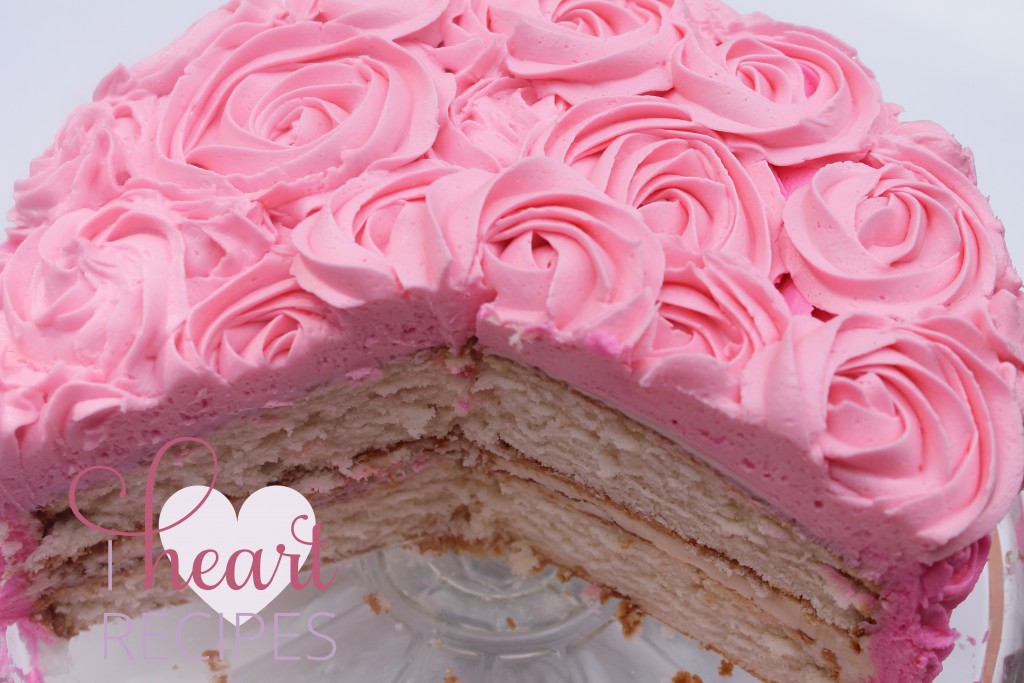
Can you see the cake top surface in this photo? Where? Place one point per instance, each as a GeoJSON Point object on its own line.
{"type": "Point", "coordinates": [719, 211]}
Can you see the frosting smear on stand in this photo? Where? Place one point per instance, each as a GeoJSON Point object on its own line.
{"type": "Point", "coordinates": [712, 221]}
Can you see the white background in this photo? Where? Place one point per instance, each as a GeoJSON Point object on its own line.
{"type": "Point", "coordinates": [958, 63]}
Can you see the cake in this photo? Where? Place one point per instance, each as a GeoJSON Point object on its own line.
{"type": "Point", "coordinates": [668, 295]}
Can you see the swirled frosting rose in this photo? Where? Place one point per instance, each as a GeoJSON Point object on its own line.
{"type": "Point", "coordinates": [285, 111]}
{"type": "Point", "coordinates": [88, 165]}
{"type": "Point", "coordinates": [789, 93]}
{"type": "Point", "coordinates": [488, 123]}
{"type": "Point", "coordinates": [896, 233]}
{"type": "Point", "coordinates": [685, 180]}
{"type": "Point", "coordinates": [713, 314]}
{"type": "Point", "coordinates": [915, 421]}
{"type": "Point", "coordinates": [557, 253]}
{"type": "Point", "coordinates": [107, 288]}
{"type": "Point", "coordinates": [376, 239]}
{"type": "Point", "coordinates": [580, 49]}
{"type": "Point", "coordinates": [223, 237]}
{"type": "Point", "coordinates": [97, 288]}
{"type": "Point", "coordinates": [259, 320]}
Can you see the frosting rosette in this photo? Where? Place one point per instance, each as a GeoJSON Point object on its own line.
{"type": "Point", "coordinates": [916, 422]}
{"type": "Point", "coordinates": [259, 320]}
{"type": "Point", "coordinates": [558, 254]}
{"type": "Point", "coordinates": [901, 231]}
{"type": "Point", "coordinates": [683, 178]}
{"type": "Point", "coordinates": [294, 109]}
{"type": "Point", "coordinates": [789, 93]}
{"type": "Point", "coordinates": [713, 315]}
{"type": "Point", "coordinates": [223, 235]}
{"type": "Point", "coordinates": [97, 288]}
{"type": "Point", "coordinates": [88, 165]}
{"type": "Point", "coordinates": [106, 288]}
{"type": "Point", "coordinates": [581, 49]}
{"type": "Point", "coordinates": [489, 122]}
{"type": "Point", "coordinates": [376, 239]}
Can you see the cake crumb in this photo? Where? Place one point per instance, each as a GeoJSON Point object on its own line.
{"type": "Point", "coordinates": [522, 560]}
{"type": "Point", "coordinates": [511, 623]}
{"type": "Point", "coordinates": [451, 677]}
{"type": "Point", "coordinates": [686, 677]}
{"type": "Point", "coordinates": [725, 668]}
{"type": "Point", "coordinates": [377, 604]}
{"type": "Point", "coordinates": [631, 618]}
{"type": "Point", "coordinates": [217, 666]}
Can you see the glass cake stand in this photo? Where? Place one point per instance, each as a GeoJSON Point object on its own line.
{"type": "Point", "coordinates": [399, 617]}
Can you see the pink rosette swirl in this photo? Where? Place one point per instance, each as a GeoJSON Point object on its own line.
{"type": "Point", "coordinates": [899, 232]}
{"type": "Point", "coordinates": [713, 316]}
{"type": "Point", "coordinates": [223, 235]}
{"type": "Point", "coordinates": [375, 239]}
{"type": "Point", "coordinates": [558, 255]}
{"type": "Point", "coordinates": [293, 109]}
{"type": "Point", "coordinates": [685, 180]}
{"type": "Point", "coordinates": [789, 93]}
{"type": "Point", "coordinates": [260, 320]}
{"type": "Point", "coordinates": [107, 288]}
{"type": "Point", "coordinates": [579, 49]}
{"type": "Point", "coordinates": [97, 288]}
{"type": "Point", "coordinates": [488, 123]}
{"type": "Point", "coordinates": [94, 156]}
{"type": "Point", "coordinates": [917, 424]}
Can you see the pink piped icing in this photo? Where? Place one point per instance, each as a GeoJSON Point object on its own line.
{"type": "Point", "coordinates": [712, 221]}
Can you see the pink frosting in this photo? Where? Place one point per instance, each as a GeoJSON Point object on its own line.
{"type": "Point", "coordinates": [261, 319]}
{"type": "Point", "coordinates": [713, 316]}
{"type": "Point", "coordinates": [280, 112]}
{"type": "Point", "coordinates": [375, 239]}
{"type": "Point", "coordinates": [896, 233]}
{"type": "Point", "coordinates": [915, 422]}
{"type": "Point", "coordinates": [559, 254]}
{"type": "Point", "coordinates": [98, 288]}
{"type": "Point", "coordinates": [685, 180]}
{"type": "Point", "coordinates": [488, 121]}
{"type": "Point", "coordinates": [88, 165]}
{"type": "Point", "coordinates": [583, 49]}
{"type": "Point", "coordinates": [788, 92]}
{"type": "Point", "coordinates": [711, 221]}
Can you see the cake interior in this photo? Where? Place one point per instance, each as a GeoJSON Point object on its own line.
{"type": "Point", "coordinates": [478, 453]}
